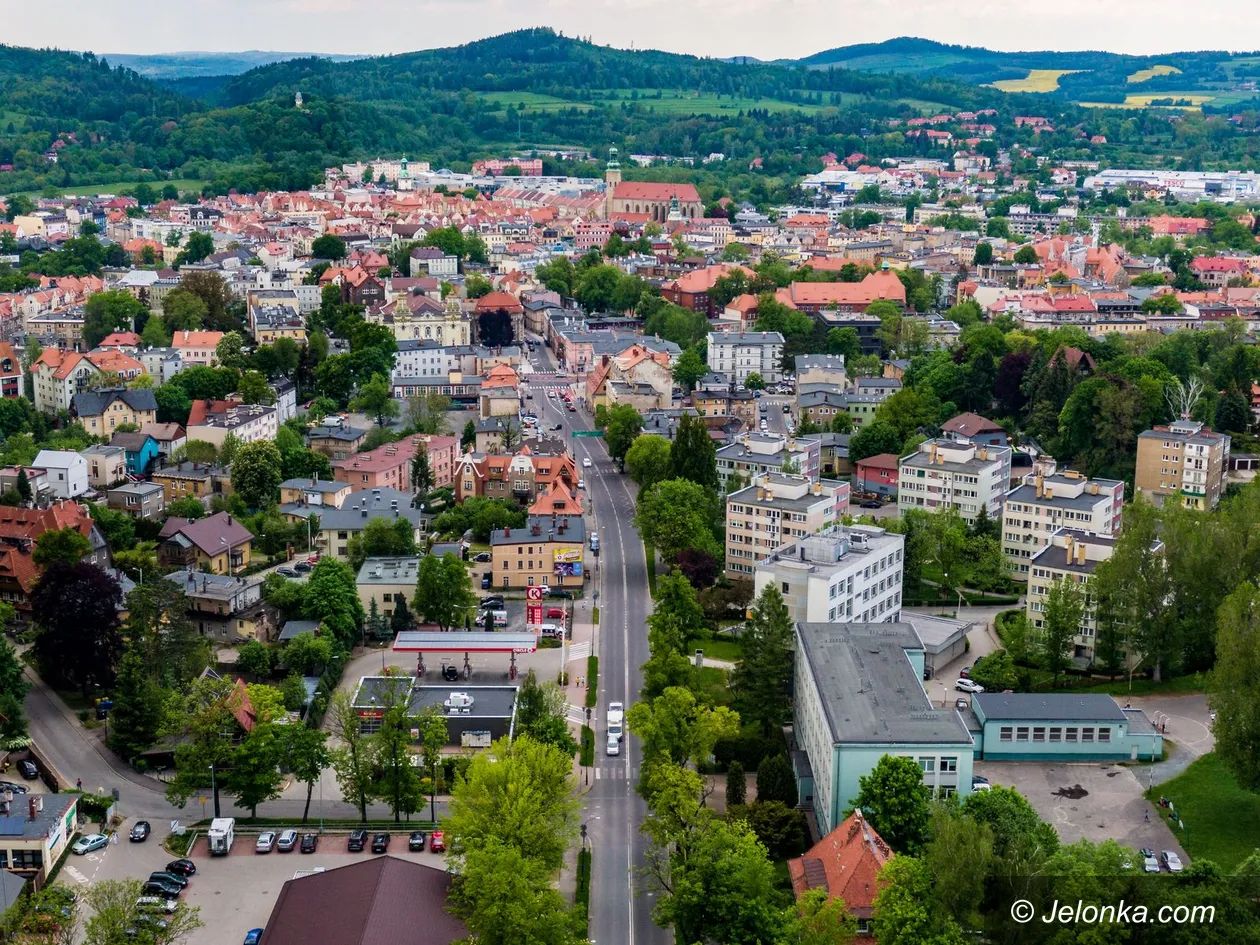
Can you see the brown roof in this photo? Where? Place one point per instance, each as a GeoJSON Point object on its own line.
{"type": "Point", "coordinates": [846, 863]}
{"type": "Point", "coordinates": [383, 899]}
{"type": "Point", "coordinates": [971, 424]}
{"type": "Point", "coordinates": [880, 461]}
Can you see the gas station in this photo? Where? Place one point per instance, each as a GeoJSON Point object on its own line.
{"type": "Point", "coordinates": [463, 642]}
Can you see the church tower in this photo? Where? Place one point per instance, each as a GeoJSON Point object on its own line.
{"type": "Point", "coordinates": [612, 177]}
{"type": "Point", "coordinates": [297, 99]}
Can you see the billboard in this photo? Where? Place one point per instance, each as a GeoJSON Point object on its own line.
{"type": "Point", "coordinates": [568, 555]}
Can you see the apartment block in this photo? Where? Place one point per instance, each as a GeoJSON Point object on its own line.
{"type": "Point", "coordinates": [954, 474]}
{"type": "Point", "coordinates": [757, 454]}
{"type": "Point", "coordinates": [1072, 554]}
{"type": "Point", "coordinates": [1184, 457]}
{"type": "Point", "coordinates": [741, 353]}
{"type": "Point", "coordinates": [846, 575]}
{"type": "Point", "coordinates": [776, 510]}
{"type": "Point", "coordinates": [1034, 511]}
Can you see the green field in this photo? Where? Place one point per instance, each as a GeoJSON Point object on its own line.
{"type": "Point", "coordinates": [1151, 72]}
{"type": "Point", "coordinates": [532, 101]}
{"type": "Point", "coordinates": [665, 101]}
{"type": "Point", "coordinates": [117, 187]}
{"type": "Point", "coordinates": [1037, 80]}
{"type": "Point", "coordinates": [1222, 821]}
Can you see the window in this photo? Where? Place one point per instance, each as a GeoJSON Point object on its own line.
{"type": "Point", "coordinates": [785, 587]}
{"type": "Point", "coordinates": [1056, 733]}
{"type": "Point", "coordinates": [1070, 733]}
{"type": "Point", "coordinates": [1021, 733]}
{"type": "Point", "coordinates": [927, 764]}
{"type": "Point", "coordinates": [28, 859]}
{"type": "Point", "coordinates": [1039, 733]}
{"type": "Point", "coordinates": [1104, 734]}
{"type": "Point", "coordinates": [1087, 734]}
{"type": "Point", "coordinates": [949, 764]}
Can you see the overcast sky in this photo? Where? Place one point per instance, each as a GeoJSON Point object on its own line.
{"type": "Point", "coordinates": [764, 28]}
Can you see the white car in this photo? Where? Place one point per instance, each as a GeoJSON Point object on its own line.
{"type": "Point", "coordinates": [966, 685]}
{"type": "Point", "coordinates": [581, 483]}
{"type": "Point", "coordinates": [614, 745]}
{"type": "Point", "coordinates": [1172, 862]}
{"type": "Point", "coordinates": [1150, 863]}
{"type": "Point", "coordinates": [586, 462]}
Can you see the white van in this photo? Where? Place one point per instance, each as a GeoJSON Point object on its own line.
{"type": "Point", "coordinates": [614, 745]}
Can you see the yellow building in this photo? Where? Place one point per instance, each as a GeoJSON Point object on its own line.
{"type": "Point", "coordinates": [546, 552]}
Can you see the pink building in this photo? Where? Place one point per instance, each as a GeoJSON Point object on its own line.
{"type": "Point", "coordinates": [389, 466]}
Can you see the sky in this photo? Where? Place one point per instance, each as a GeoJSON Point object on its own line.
{"type": "Point", "coordinates": [767, 29]}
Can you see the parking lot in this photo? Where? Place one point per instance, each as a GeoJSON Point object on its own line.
{"type": "Point", "coordinates": [1088, 801]}
{"type": "Point", "coordinates": [235, 893]}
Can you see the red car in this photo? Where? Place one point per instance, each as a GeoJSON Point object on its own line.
{"type": "Point", "coordinates": [437, 842]}
{"type": "Point", "coordinates": [555, 613]}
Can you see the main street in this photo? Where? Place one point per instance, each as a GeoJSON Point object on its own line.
{"type": "Point", "coordinates": [620, 906]}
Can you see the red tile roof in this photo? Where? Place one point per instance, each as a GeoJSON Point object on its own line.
{"type": "Point", "coordinates": [846, 863]}
{"type": "Point", "coordinates": [647, 190]}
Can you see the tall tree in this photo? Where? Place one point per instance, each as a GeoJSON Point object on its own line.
{"type": "Point", "coordinates": [647, 460]}
{"type": "Point", "coordinates": [397, 781]}
{"type": "Point", "coordinates": [433, 737]}
{"type": "Point", "coordinates": [76, 611]}
{"type": "Point", "coordinates": [624, 424]}
{"type": "Point", "coordinates": [1235, 683]}
{"type": "Point", "coordinates": [109, 311]}
{"type": "Point", "coordinates": [677, 515]}
{"type": "Point", "coordinates": [421, 471]}
{"type": "Point", "coordinates": [60, 546]}
{"type": "Point", "coordinates": [1065, 608]}
{"type": "Point", "coordinates": [676, 728]}
{"type": "Point", "coordinates": [693, 455]}
{"type": "Point", "coordinates": [256, 473]}
{"type": "Point", "coordinates": [444, 594]}
{"type": "Point", "coordinates": [895, 801]}
{"type": "Point", "coordinates": [763, 678]}
{"type": "Point", "coordinates": [254, 773]}
{"type": "Point", "coordinates": [353, 759]}
{"type": "Point", "coordinates": [906, 913]}
{"type": "Point", "coordinates": [507, 898]}
{"type": "Point", "coordinates": [541, 714]}
{"type": "Point", "coordinates": [332, 598]}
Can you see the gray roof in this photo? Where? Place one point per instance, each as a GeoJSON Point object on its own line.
{"type": "Point", "coordinates": [92, 403]}
{"type": "Point", "coordinates": [1048, 706]}
{"type": "Point", "coordinates": [548, 530]}
{"type": "Point", "coordinates": [494, 702]}
{"type": "Point", "coordinates": [936, 633]}
{"type": "Point", "coordinates": [337, 432]}
{"type": "Point", "coordinates": [746, 338]}
{"type": "Point", "coordinates": [361, 507]}
{"type": "Point", "coordinates": [1083, 502]}
{"type": "Point", "coordinates": [20, 823]}
{"type": "Point", "coordinates": [389, 570]}
{"type": "Point", "coordinates": [870, 691]}
{"type": "Point", "coordinates": [296, 628]}
{"type": "Point", "coordinates": [314, 485]}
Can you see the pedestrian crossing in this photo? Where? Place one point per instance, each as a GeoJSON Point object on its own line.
{"type": "Point", "coordinates": [617, 773]}
{"type": "Point", "coordinates": [579, 651]}
{"type": "Point", "coordinates": [575, 713]}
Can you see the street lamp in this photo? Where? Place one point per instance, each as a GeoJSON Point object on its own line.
{"type": "Point", "coordinates": [214, 789]}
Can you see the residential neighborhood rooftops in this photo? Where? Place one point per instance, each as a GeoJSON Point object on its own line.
{"type": "Point", "coordinates": [27, 823]}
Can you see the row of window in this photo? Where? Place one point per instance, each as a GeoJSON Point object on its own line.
{"type": "Point", "coordinates": [1071, 734]}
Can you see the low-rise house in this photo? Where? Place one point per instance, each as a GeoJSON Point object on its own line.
{"type": "Point", "coordinates": [224, 608]}
{"type": "Point", "coordinates": [386, 582]}
{"type": "Point", "coordinates": [67, 472]}
{"type": "Point", "coordinates": [168, 436]}
{"type": "Point", "coordinates": [317, 494]}
{"type": "Point", "coordinates": [107, 465]}
{"type": "Point", "coordinates": [338, 525]}
{"type": "Point", "coordinates": [36, 833]}
{"type": "Point", "coordinates": [1064, 727]}
{"type": "Point", "coordinates": [199, 480]}
{"type": "Point", "coordinates": [138, 499]}
{"type": "Point", "coordinates": [197, 347]}
{"type": "Point", "coordinates": [776, 510]}
{"type": "Point", "coordinates": [102, 411]}
{"type": "Point", "coordinates": [976, 430]}
{"type": "Point", "coordinates": [877, 474]}
{"type": "Point", "coordinates": [845, 864]}
{"type": "Point", "coordinates": [335, 438]}
{"type": "Point", "coordinates": [57, 376]}
{"type": "Point", "coordinates": [140, 449]}
{"type": "Point", "coordinates": [218, 544]}
{"type": "Point", "coordinates": [213, 420]}
{"type": "Point", "coordinates": [542, 553]}
{"type": "Point", "coordinates": [522, 477]}
{"type": "Point", "coordinates": [389, 465]}
{"type": "Point", "coordinates": [847, 575]}
{"type": "Point", "coordinates": [20, 529]}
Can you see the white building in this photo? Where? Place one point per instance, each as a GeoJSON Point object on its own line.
{"type": "Point", "coordinates": [949, 474]}
{"type": "Point", "coordinates": [1034, 511]}
{"type": "Point", "coordinates": [426, 359]}
{"type": "Point", "coordinates": [778, 508]}
{"type": "Point", "coordinates": [248, 422]}
{"type": "Point", "coordinates": [67, 472]}
{"type": "Point", "coordinates": [846, 575]}
{"type": "Point", "coordinates": [741, 353]}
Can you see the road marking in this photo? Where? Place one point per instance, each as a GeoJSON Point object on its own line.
{"type": "Point", "coordinates": [74, 874]}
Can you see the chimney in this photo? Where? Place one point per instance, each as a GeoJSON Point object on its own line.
{"type": "Point", "coordinates": [1070, 549]}
{"type": "Point", "coordinates": [1041, 485]}
{"type": "Point", "coordinates": [818, 488]}
{"type": "Point", "coordinates": [507, 532]}
{"type": "Point", "coordinates": [1081, 548]}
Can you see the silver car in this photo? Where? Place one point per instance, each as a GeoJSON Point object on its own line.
{"type": "Point", "coordinates": [266, 842]}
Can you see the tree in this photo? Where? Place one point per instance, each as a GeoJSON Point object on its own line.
{"type": "Point", "coordinates": [520, 794]}
{"type": "Point", "coordinates": [307, 654]}
{"type": "Point", "coordinates": [754, 381]}
{"type": "Point", "coordinates": [689, 368]}
{"type": "Point", "coordinates": [109, 311]}
{"type": "Point", "coordinates": [254, 389]}
{"type": "Point", "coordinates": [256, 473]}
{"type": "Point", "coordinates": [1233, 413]}
{"type": "Point", "coordinates": [204, 726]}
{"type": "Point", "coordinates": [397, 781]}
{"type": "Point", "coordinates": [76, 611]}
{"type": "Point", "coordinates": [115, 915]}
{"type": "Point", "coordinates": [677, 515]}
{"type": "Point", "coordinates": [332, 598]}
{"type": "Point", "coordinates": [376, 399]}
{"type": "Point", "coordinates": [431, 725]}
{"type": "Point", "coordinates": [541, 714]}
{"type": "Point", "coordinates": [875, 437]}
{"type": "Point", "coordinates": [381, 538]}
{"type": "Point", "coordinates": [996, 671]}
{"type": "Point", "coordinates": [254, 775]}
{"type": "Point", "coordinates": [60, 546]}
{"type": "Point", "coordinates": [775, 781]}
{"type": "Point", "coordinates": [676, 729]}
{"type": "Point", "coordinates": [624, 424]}
{"type": "Point", "coordinates": [428, 414]}
{"type": "Point", "coordinates": [1164, 304]}
{"type": "Point", "coordinates": [984, 254]}
{"type": "Point", "coordinates": [956, 838]}
{"type": "Point", "coordinates": [421, 471]}
{"type": "Point", "coordinates": [305, 754]}
{"type": "Point", "coordinates": [182, 311]}
{"type": "Point", "coordinates": [444, 594]}
{"type": "Point", "coordinates": [818, 919]}
{"type": "Point", "coordinates": [1022, 841]}
{"type": "Point", "coordinates": [763, 678]}
{"type": "Point", "coordinates": [353, 758]}
{"type": "Point", "coordinates": [13, 684]}
{"type": "Point", "coordinates": [895, 801]}
{"type": "Point", "coordinates": [255, 658]}
{"type": "Point", "coordinates": [328, 247]}
{"type": "Point", "coordinates": [736, 786]}
{"type": "Point", "coordinates": [23, 485]}
{"type": "Point", "coordinates": [1025, 256]}
{"type": "Point", "coordinates": [468, 438]}
{"type": "Point", "coordinates": [647, 460]}
{"type": "Point", "coordinates": [905, 911]}
{"type": "Point", "coordinates": [173, 404]}
{"type": "Point", "coordinates": [693, 455]}
{"type": "Point", "coordinates": [1234, 683]}
{"type": "Point", "coordinates": [507, 898]}
{"type": "Point", "coordinates": [196, 248]}
{"type": "Point", "coordinates": [1065, 608]}
{"type": "Point", "coordinates": [211, 288]}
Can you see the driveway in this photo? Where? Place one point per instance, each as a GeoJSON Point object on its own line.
{"type": "Point", "coordinates": [1187, 723]}
{"type": "Point", "coordinates": [1087, 801]}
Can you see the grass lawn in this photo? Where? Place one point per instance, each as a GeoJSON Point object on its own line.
{"type": "Point", "coordinates": [1222, 819]}
{"type": "Point", "coordinates": [1151, 72]}
{"type": "Point", "coordinates": [1037, 80]}
{"type": "Point", "coordinates": [117, 187]}
{"type": "Point", "coordinates": [719, 648]}
{"type": "Point", "coordinates": [712, 687]}
{"type": "Point", "coordinates": [533, 101]}
{"type": "Point", "coordinates": [1144, 687]}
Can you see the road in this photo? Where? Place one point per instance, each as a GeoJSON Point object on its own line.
{"type": "Point", "coordinates": [620, 910]}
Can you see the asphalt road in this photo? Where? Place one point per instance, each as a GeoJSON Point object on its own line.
{"type": "Point", "coordinates": [621, 909]}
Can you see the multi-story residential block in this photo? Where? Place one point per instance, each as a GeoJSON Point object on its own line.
{"type": "Point", "coordinates": [11, 373]}
{"type": "Point", "coordinates": [859, 696]}
{"type": "Point", "coordinates": [741, 353]}
{"type": "Point", "coordinates": [953, 474]}
{"type": "Point", "coordinates": [776, 510]}
{"type": "Point", "coordinates": [522, 477]}
{"type": "Point", "coordinates": [213, 420]}
{"type": "Point", "coordinates": [59, 375]}
{"type": "Point", "coordinates": [1034, 511]}
{"type": "Point", "coordinates": [337, 525]}
{"type": "Point", "coordinates": [544, 552]}
{"type": "Point", "coordinates": [755, 454]}
{"type": "Point", "coordinates": [1072, 555]}
{"type": "Point", "coordinates": [197, 347]}
{"type": "Point", "coordinates": [848, 575]}
{"type": "Point", "coordinates": [225, 608]}
{"type": "Point", "coordinates": [389, 466]}
{"type": "Point", "coordinates": [1185, 457]}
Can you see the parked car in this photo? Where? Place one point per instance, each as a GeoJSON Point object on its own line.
{"type": "Point", "coordinates": [182, 867]}
{"type": "Point", "coordinates": [28, 769]}
{"type": "Point", "coordinates": [415, 843]}
{"type": "Point", "coordinates": [357, 841]}
{"type": "Point", "coordinates": [266, 842]}
{"type": "Point", "coordinates": [551, 630]}
{"type": "Point", "coordinates": [559, 593]}
{"type": "Point", "coordinates": [286, 572]}
{"type": "Point", "coordinates": [482, 557]}
{"type": "Point", "coordinates": [485, 582]}
{"type": "Point", "coordinates": [164, 890]}
{"type": "Point", "coordinates": [555, 613]}
{"type": "Point", "coordinates": [172, 879]}
{"type": "Point", "coordinates": [13, 786]}
{"type": "Point", "coordinates": [1150, 863]}
{"type": "Point", "coordinates": [1171, 861]}
{"type": "Point", "coordinates": [140, 831]}
{"type": "Point", "coordinates": [310, 841]}
{"type": "Point", "coordinates": [155, 904]}
{"type": "Point", "coordinates": [581, 483]}
{"type": "Point", "coordinates": [437, 842]}
{"type": "Point", "coordinates": [980, 783]}
{"type": "Point", "coordinates": [303, 567]}
{"type": "Point", "coordinates": [966, 685]}
{"type": "Point", "coordinates": [492, 602]}
{"type": "Point", "coordinates": [965, 672]}
{"type": "Point", "coordinates": [253, 936]}
{"type": "Point", "coordinates": [93, 841]}
{"type": "Point", "coordinates": [871, 504]}
{"type": "Point", "coordinates": [287, 840]}
{"type": "Point", "coordinates": [380, 843]}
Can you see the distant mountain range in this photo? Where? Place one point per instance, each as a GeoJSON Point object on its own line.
{"type": "Point", "coordinates": [184, 65]}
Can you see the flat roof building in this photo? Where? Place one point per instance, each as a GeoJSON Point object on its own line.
{"type": "Point", "coordinates": [954, 474]}
{"type": "Point", "coordinates": [1048, 726]}
{"type": "Point", "coordinates": [1035, 510]}
{"type": "Point", "coordinates": [776, 509]}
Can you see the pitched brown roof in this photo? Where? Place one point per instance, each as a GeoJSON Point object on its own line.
{"type": "Point", "coordinates": [846, 863]}
{"type": "Point", "coordinates": [369, 902]}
